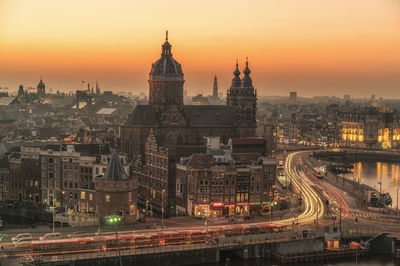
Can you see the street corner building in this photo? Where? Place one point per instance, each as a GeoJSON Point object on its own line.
{"type": "Point", "coordinates": [116, 192]}
{"type": "Point", "coordinates": [177, 124]}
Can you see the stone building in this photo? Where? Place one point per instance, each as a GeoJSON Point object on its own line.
{"type": "Point", "coordinates": [116, 192]}
{"type": "Point", "coordinates": [370, 127]}
{"type": "Point", "coordinates": [174, 123]}
{"type": "Point", "coordinates": [156, 174]}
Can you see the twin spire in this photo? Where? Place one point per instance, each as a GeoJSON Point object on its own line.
{"type": "Point", "coordinates": [246, 82]}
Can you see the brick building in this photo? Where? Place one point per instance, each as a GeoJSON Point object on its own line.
{"type": "Point", "coordinates": [116, 192]}
{"type": "Point", "coordinates": [208, 188]}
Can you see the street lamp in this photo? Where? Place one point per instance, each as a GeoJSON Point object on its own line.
{"type": "Point", "coordinates": [162, 206]}
{"type": "Point", "coordinates": [397, 201]}
{"type": "Point", "coordinates": [54, 209]}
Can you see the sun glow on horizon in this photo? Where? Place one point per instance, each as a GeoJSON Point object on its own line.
{"type": "Point", "coordinates": [315, 47]}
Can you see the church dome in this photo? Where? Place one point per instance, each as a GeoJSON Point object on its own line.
{"type": "Point", "coordinates": [166, 68]}
{"type": "Point", "coordinates": [41, 84]}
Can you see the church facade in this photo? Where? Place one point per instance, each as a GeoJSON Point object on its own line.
{"type": "Point", "coordinates": [174, 123]}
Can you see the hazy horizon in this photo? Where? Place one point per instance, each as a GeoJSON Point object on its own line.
{"type": "Point", "coordinates": [309, 46]}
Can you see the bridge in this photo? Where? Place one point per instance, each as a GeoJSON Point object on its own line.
{"type": "Point", "coordinates": [246, 247]}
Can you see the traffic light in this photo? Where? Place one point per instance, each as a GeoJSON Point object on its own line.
{"type": "Point", "coordinates": [113, 219]}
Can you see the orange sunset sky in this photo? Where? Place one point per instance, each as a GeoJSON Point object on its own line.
{"type": "Point", "coordinates": [316, 47]}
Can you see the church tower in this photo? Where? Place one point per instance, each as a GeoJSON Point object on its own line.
{"type": "Point", "coordinates": [41, 88]}
{"type": "Point", "coordinates": [215, 88]}
{"type": "Point", "coordinates": [243, 97]}
{"type": "Point", "coordinates": [166, 81]}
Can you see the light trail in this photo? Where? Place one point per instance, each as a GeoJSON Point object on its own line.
{"type": "Point", "coordinates": [313, 205]}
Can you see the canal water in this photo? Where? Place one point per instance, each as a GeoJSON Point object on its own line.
{"type": "Point", "coordinates": [371, 260]}
{"type": "Point", "coordinates": [370, 173]}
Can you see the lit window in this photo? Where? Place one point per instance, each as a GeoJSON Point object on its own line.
{"type": "Point", "coordinates": [83, 195]}
{"type": "Point", "coordinates": [107, 198]}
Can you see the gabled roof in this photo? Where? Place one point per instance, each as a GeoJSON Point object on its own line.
{"type": "Point", "coordinates": [5, 101]}
{"type": "Point", "coordinates": [210, 115]}
{"type": "Point", "coordinates": [142, 115]}
{"type": "Point", "coordinates": [106, 111]}
{"type": "Point", "coordinates": [115, 170]}
{"type": "Point", "coordinates": [196, 116]}
{"type": "Point", "coordinates": [200, 161]}
{"type": "Point", "coordinates": [247, 141]}
{"type": "Point", "coordinates": [245, 157]}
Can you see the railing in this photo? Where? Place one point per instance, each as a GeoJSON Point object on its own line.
{"type": "Point", "coordinates": [218, 243]}
{"type": "Point", "coordinates": [227, 242]}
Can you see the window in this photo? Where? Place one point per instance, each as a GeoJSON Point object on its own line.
{"type": "Point", "coordinates": [51, 175]}
{"type": "Point", "coordinates": [83, 195]}
{"type": "Point", "coordinates": [201, 182]}
{"type": "Point", "coordinates": [97, 170]}
{"type": "Point", "coordinates": [50, 160]}
{"type": "Point", "coordinates": [130, 196]}
{"type": "Point", "coordinates": [90, 196]}
{"type": "Point", "coordinates": [107, 198]}
{"type": "Point", "coordinates": [206, 182]}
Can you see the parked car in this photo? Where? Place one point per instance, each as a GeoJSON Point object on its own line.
{"type": "Point", "coordinates": [77, 234]}
{"type": "Point", "coordinates": [50, 236]}
{"type": "Point", "coordinates": [21, 236]}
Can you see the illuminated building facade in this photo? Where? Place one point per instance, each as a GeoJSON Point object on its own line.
{"type": "Point", "coordinates": [208, 188]}
{"type": "Point", "coordinates": [373, 127]}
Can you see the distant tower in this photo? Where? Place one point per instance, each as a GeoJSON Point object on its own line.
{"type": "Point", "coordinates": [97, 88]}
{"type": "Point", "coordinates": [293, 97]}
{"type": "Point", "coordinates": [41, 88]}
{"type": "Point", "coordinates": [88, 87]}
{"type": "Point", "coordinates": [20, 91]}
{"type": "Point", "coordinates": [243, 96]}
{"type": "Point", "coordinates": [215, 88]}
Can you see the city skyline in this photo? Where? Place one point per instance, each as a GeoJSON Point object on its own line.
{"type": "Point", "coordinates": [310, 47]}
